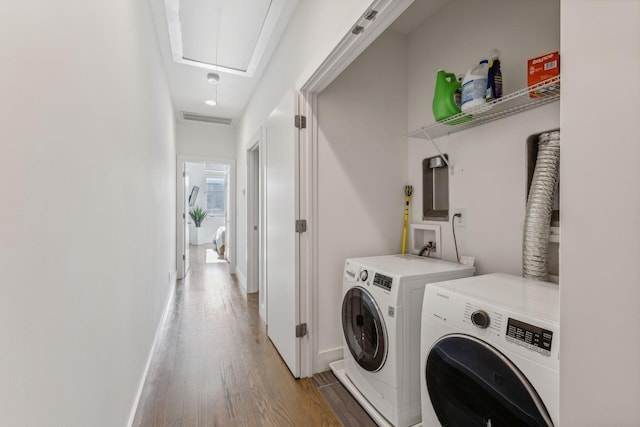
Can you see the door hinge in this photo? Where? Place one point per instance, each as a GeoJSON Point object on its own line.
{"type": "Point", "coordinates": [301, 121]}
{"type": "Point", "coordinates": [301, 225]}
{"type": "Point", "coordinates": [183, 216]}
{"type": "Point", "coordinates": [301, 330]}
{"type": "Point", "coordinates": [183, 257]}
{"type": "Point", "coordinates": [184, 174]}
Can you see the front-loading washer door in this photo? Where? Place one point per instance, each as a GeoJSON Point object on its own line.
{"type": "Point", "coordinates": [470, 383]}
{"type": "Point", "coordinates": [364, 329]}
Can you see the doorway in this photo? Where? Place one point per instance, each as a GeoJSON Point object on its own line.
{"type": "Point", "coordinates": [318, 259]}
{"type": "Point", "coordinates": [206, 196]}
{"type": "Point", "coordinates": [255, 223]}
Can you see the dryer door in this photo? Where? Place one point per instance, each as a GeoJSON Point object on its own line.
{"type": "Point", "coordinates": [364, 329]}
{"type": "Point", "coordinates": [471, 383]}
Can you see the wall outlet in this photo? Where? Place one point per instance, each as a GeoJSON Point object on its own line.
{"type": "Point", "coordinates": [460, 221]}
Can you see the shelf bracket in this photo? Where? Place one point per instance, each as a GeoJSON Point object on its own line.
{"type": "Point", "coordinates": [424, 131]}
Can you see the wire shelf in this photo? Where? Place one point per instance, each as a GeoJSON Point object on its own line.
{"type": "Point", "coordinates": [546, 92]}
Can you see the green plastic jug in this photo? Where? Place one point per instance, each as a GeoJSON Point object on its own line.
{"type": "Point", "coordinates": [444, 104]}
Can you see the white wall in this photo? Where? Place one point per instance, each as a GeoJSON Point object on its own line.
{"type": "Point", "coordinates": [314, 30]}
{"type": "Point", "coordinates": [600, 207]}
{"type": "Point", "coordinates": [489, 178]}
{"type": "Point", "coordinates": [205, 140]}
{"type": "Point", "coordinates": [362, 163]}
{"type": "Point", "coordinates": [87, 142]}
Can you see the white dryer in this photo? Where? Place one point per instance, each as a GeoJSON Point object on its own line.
{"type": "Point", "coordinates": [489, 352]}
{"type": "Point", "coordinates": [381, 312]}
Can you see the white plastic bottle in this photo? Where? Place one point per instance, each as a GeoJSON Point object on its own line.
{"type": "Point", "coordinates": [474, 86]}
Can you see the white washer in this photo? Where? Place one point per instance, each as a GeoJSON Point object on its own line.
{"type": "Point", "coordinates": [381, 307]}
{"type": "Point", "coordinates": [489, 352]}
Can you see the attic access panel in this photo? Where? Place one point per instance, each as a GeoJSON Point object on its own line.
{"type": "Point", "coordinates": [228, 36]}
{"type": "Point", "coordinates": [222, 32]}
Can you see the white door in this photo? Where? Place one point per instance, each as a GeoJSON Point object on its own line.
{"type": "Point", "coordinates": [185, 221]}
{"type": "Point", "coordinates": [281, 237]}
{"type": "Point", "coordinates": [253, 218]}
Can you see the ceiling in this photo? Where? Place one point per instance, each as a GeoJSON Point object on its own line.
{"type": "Point", "coordinates": [234, 39]}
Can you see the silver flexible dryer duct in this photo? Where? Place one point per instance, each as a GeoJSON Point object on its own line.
{"type": "Point", "coordinates": [535, 245]}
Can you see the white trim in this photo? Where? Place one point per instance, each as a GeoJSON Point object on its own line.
{"type": "Point", "coordinates": [154, 346]}
{"type": "Point", "coordinates": [263, 229]}
{"type": "Point", "coordinates": [231, 209]}
{"type": "Point", "coordinates": [326, 357]}
{"type": "Point", "coordinates": [254, 217]}
{"type": "Point", "coordinates": [308, 240]}
{"type": "Point", "coordinates": [241, 279]}
{"type": "Point", "coordinates": [351, 46]}
{"type": "Point", "coordinates": [258, 140]}
{"type": "Point", "coordinates": [181, 195]}
{"type": "Point", "coordinates": [313, 200]}
{"type": "Point", "coordinates": [311, 84]}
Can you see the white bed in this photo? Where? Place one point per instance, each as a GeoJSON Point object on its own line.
{"type": "Point", "coordinates": [219, 241]}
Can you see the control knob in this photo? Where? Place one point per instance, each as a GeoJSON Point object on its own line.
{"type": "Point", "coordinates": [480, 318]}
{"type": "Point", "coordinates": [364, 274]}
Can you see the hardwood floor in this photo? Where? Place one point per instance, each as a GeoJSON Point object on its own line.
{"type": "Point", "coordinates": [215, 366]}
{"type": "Point", "coordinates": [343, 404]}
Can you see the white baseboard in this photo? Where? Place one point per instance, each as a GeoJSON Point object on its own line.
{"type": "Point", "coordinates": [326, 357]}
{"type": "Point", "coordinates": [136, 401]}
{"type": "Point", "coordinates": [262, 309]}
{"type": "Point", "coordinates": [241, 279]}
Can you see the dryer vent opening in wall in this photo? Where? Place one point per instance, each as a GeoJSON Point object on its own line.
{"type": "Point", "coordinates": [435, 189]}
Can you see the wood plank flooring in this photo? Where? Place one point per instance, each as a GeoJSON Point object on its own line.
{"type": "Point", "coordinates": [215, 366]}
{"type": "Point", "coordinates": [343, 404]}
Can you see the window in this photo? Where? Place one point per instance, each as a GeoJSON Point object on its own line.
{"type": "Point", "coordinates": [216, 194]}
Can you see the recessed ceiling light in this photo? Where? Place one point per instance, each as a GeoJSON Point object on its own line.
{"type": "Point", "coordinates": [213, 78]}
{"type": "Point", "coordinates": [211, 102]}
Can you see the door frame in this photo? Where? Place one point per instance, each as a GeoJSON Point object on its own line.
{"type": "Point", "coordinates": [230, 236]}
{"type": "Point", "coordinates": [310, 85]}
{"type": "Point", "coordinates": [256, 265]}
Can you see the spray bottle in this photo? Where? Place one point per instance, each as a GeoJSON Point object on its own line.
{"type": "Point", "coordinates": [494, 77]}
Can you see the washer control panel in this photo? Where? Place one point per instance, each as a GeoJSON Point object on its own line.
{"type": "Point", "coordinates": [382, 281]}
{"type": "Point", "coordinates": [532, 337]}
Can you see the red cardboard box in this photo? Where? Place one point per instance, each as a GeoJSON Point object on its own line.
{"type": "Point", "coordinates": [543, 68]}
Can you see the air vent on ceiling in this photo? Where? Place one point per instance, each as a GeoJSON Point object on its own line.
{"type": "Point", "coordinates": [208, 119]}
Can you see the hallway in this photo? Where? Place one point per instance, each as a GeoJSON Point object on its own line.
{"type": "Point", "coordinates": [215, 365]}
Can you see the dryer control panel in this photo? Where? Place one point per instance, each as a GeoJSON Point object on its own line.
{"type": "Point", "coordinates": [530, 336]}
